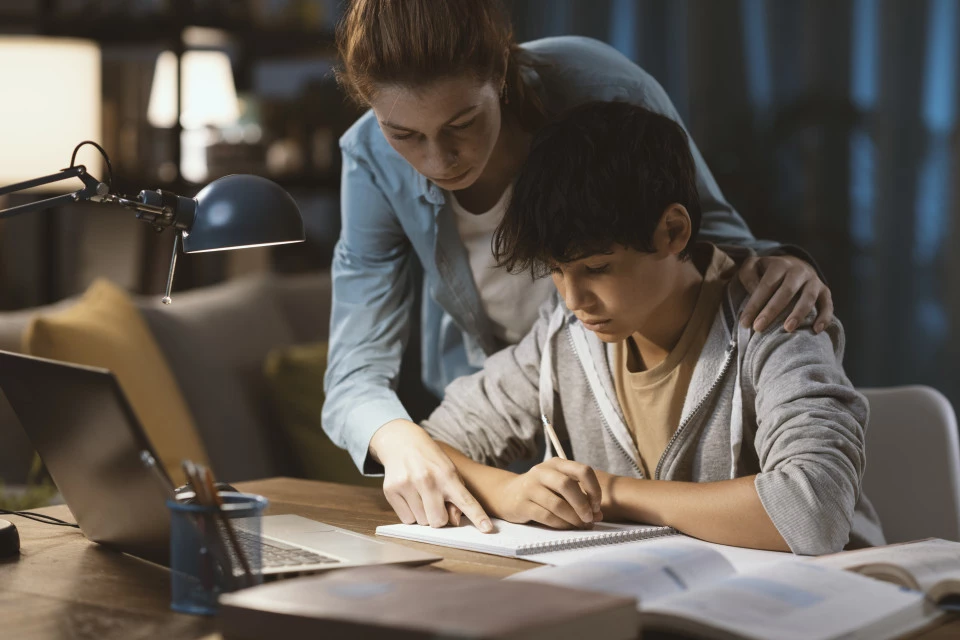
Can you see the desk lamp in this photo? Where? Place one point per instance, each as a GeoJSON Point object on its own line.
{"type": "Point", "coordinates": [233, 212]}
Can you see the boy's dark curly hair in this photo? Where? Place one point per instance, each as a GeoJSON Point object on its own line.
{"type": "Point", "coordinates": [601, 174]}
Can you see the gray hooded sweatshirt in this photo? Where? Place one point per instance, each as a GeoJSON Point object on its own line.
{"type": "Point", "coordinates": [772, 403]}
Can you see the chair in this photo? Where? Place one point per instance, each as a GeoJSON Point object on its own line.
{"type": "Point", "coordinates": [913, 463]}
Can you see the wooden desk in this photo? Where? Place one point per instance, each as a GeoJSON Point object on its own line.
{"type": "Point", "coordinates": [63, 586]}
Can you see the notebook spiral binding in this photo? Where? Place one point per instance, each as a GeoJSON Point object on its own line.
{"type": "Point", "coordinates": [610, 537]}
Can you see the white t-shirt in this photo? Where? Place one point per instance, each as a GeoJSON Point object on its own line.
{"type": "Point", "coordinates": [510, 300]}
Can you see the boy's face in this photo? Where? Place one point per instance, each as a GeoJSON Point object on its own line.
{"type": "Point", "coordinates": [624, 291]}
{"type": "Point", "coordinates": [616, 294]}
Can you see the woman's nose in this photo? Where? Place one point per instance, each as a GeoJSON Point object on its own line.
{"type": "Point", "coordinates": [442, 160]}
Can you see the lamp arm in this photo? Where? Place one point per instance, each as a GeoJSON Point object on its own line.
{"type": "Point", "coordinates": [160, 209]}
{"type": "Point", "coordinates": [91, 188]}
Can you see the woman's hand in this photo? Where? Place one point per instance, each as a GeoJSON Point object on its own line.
{"type": "Point", "coordinates": [773, 281]}
{"type": "Point", "coordinates": [562, 494]}
{"type": "Point", "coordinates": [420, 482]}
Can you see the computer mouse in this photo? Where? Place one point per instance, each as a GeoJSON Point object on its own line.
{"type": "Point", "coordinates": [9, 539]}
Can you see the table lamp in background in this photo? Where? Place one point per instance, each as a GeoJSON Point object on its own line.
{"type": "Point", "coordinates": [233, 212]}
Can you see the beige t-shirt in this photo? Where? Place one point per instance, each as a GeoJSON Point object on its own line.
{"type": "Point", "coordinates": [652, 400]}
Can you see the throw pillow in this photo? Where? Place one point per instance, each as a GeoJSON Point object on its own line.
{"type": "Point", "coordinates": [105, 329]}
{"type": "Point", "coordinates": [295, 381]}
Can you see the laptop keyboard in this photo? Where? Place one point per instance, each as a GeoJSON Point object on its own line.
{"type": "Point", "coordinates": [277, 554]}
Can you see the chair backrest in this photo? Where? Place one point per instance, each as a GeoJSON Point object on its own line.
{"type": "Point", "coordinates": [913, 463]}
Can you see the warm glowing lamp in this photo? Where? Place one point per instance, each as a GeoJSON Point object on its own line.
{"type": "Point", "coordinates": [51, 99]}
{"type": "Point", "coordinates": [208, 93]}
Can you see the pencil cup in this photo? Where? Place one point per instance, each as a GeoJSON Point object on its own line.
{"type": "Point", "coordinates": [213, 550]}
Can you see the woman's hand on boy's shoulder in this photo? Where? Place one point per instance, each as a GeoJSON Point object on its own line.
{"type": "Point", "coordinates": [558, 493]}
{"type": "Point", "coordinates": [773, 281]}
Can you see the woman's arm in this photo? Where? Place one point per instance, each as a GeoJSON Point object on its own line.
{"type": "Point", "coordinates": [369, 327]}
{"type": "Point", "coordinates": [370, 316]}
{"type": "Point", "coordinates": [726, 512]}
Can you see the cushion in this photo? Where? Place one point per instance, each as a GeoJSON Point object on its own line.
{"type": "Point", "coordinates": [215, 339]}
{"type": "Point", "coordinates": [295, 379]}
{"type": "Point", "coordinates": [105, 329]}
{"type": "Point", "coordinates": [16, 452]}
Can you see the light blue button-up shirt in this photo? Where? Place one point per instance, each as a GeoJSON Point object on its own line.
{"type": "Point", "coordinates": [392, 215]}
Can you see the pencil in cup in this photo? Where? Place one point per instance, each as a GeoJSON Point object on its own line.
{"type": "Point", "coordinates": [204, 487]}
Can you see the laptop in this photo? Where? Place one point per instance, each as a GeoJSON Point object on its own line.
{"type": "Point", "coordinates": [86, 433]}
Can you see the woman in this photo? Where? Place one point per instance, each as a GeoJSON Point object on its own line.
{"type": "Point", "coordinates": [427, 171]}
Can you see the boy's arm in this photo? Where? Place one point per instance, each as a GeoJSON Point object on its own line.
{"type": "Point", "coordinates": [726, 512]}
{"type": "Point", "coordinates": [558, 493]}
{"type": "Point", "coordinates": [810, 444]}
{"type": "Point", "coordinates": [493, 416]}
{"type": "Point", "coordinates": [811, 425]}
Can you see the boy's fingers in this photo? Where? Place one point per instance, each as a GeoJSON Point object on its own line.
{"type": "Point", "coordinates": [567, 486]}
{"type": "Point", "coordinates": [545, 517]}
{"type": "Point", "coordinates": [556, 505]}
{"type": "Point", "coordinates": [587, 478]}
{"type": "Point", "coordinates": [467, 504]}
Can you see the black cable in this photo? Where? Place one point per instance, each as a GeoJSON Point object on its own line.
{"type": "Point", "coordinates": [103, 152]}
{"type": "Point", "coordinates": [40, 517]}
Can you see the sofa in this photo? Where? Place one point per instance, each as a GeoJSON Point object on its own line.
{"type": "Point", "coordinates": [215, 341]}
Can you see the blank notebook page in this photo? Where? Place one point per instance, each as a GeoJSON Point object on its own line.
{"type": "Point", "coordinates": [523, 539]}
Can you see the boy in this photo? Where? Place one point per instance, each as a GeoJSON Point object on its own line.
{"type": "Point", "coordinates": [673, 413]}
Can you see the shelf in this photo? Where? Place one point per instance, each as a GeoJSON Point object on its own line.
{"type": "Point", "coordinates": [165, 31]}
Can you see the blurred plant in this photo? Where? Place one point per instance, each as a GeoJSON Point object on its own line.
{"type": "Point", "coordinates": [38, 492]}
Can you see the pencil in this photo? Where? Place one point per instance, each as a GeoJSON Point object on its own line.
{"type": "Point", "coordinates": [206, 477]}
{"type": "Point", "coordinates": [553, 436]}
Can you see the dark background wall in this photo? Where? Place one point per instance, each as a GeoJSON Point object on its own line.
{"type": "Point", "coordinates": [828, 123]}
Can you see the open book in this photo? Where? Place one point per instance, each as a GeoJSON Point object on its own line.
{"type": "Point", "coordinates": [931, 566]}
{"type": "Point", "coordinates": [524, 540]}
{"type": "Point", "coordinates": [694, 590]}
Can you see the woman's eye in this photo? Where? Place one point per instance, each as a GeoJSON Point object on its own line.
{"type": "Point", "coordinates": [401, 136]}
{"type": "Point", "coordinates": [597, 270]}
{"type": "Point", "coordinates": [465, 125]}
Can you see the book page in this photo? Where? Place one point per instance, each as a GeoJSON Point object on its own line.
{"type": "Point", "coordinates": [800, 601]}
{"type": "Point", "coordinates": [741, 558]}
{"type": "Point", "coordinates": [643, 571]}
{"type": "Point", "coordinates": [928, 561]}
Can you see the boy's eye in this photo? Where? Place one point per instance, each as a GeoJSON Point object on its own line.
{"type": "Point", "coordinates": [603, 268]}
{"type": "Point", "coordinates": [464, 125]}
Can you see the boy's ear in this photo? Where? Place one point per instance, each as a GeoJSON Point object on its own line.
{"type": "Point", "coordinates": [674, 230]}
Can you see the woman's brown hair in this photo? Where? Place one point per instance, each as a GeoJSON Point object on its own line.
{"type": "Point", "coordinates": [413, 42]}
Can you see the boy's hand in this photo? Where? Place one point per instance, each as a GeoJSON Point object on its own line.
{"type": "Point", "coordinates": [562, 494]}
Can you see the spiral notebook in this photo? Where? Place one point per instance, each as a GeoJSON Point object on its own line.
{"type": "Point", "coordinates": [518, 540]}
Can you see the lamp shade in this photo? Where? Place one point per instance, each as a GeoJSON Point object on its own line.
{"type": "Point", "coordinates": [239, 211]}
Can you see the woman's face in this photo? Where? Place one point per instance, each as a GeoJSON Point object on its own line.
{"type": "Point", "coordinates": [446, 129]}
